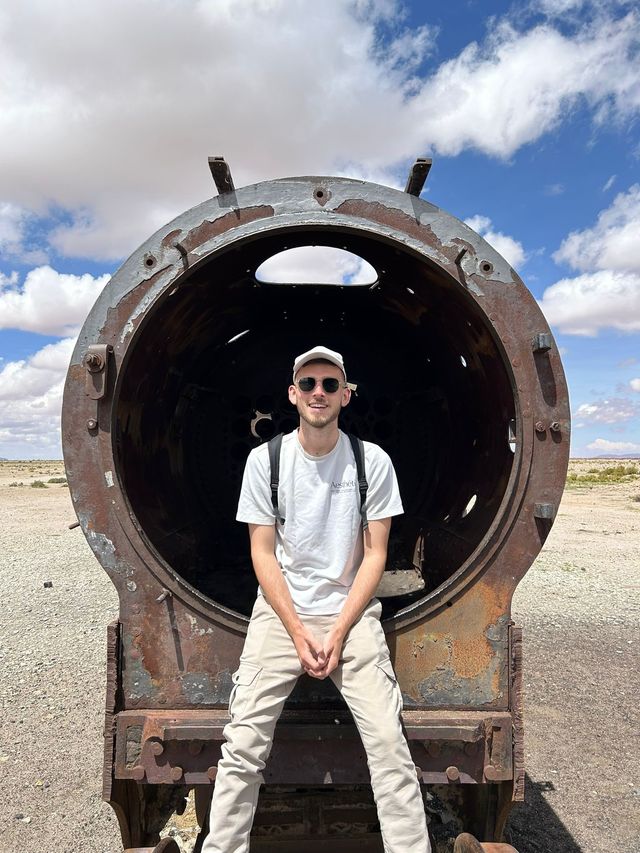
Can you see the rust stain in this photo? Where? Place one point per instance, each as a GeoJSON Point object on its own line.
{"type": "Point", "coordinates": [395, 218]}
{"type": "Point", "coordinates": [470, 657]}
{"type": "Point", "coordinates": [208, 230]}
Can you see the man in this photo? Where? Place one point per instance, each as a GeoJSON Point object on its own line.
{"type": "Point", "coordinates": [316, 611]}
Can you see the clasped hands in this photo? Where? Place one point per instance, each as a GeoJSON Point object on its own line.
{"type": "Point", "coordinates": [318, 658]}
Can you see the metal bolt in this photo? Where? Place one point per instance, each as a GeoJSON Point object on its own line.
{"type": "Point", "coordinates": [195, 747]}
{"type": "Point", "coordinates": [491, 773]}
{"type": "Point", "coordinates": [555, 426]}
{"type": "Point", "coordinates": [138, 773]}
{"type": "Point", "coordinates": [453, 774]}
{"type": "Point", "coordinates": [92, 424]}
{"type": "Point", "coordinates": [176, 773]}
{"type": "Point", "coordinates": [539, 426]}
{"type": "Point", "coordinates": [164, 594]}
{"type": "Point", "coordinates": [212, 772]}
{"type": "Point", "coordinates": [94, 362]}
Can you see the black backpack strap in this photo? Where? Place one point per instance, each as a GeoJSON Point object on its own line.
{"type": "Point", "coordinates": [274, 464]}
{"type": "Point", "coordinates": [358, 451]}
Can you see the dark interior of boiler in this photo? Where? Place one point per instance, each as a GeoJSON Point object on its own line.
{"type": "Point", "coordinates": [205, 380]}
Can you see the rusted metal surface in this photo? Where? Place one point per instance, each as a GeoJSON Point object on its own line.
{"type": "Point", "coordinates": [180, 369]}
{"type": "Point", "coordinates": [164, 746]}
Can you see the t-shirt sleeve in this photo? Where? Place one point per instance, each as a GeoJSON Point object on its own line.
{"type": "Point", "coordinates": [254, 506]}
{"type": "Point", "coordinates": [383, 495]}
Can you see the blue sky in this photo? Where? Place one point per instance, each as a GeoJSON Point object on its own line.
{"type": "Point", "coordinates": [530, 111]}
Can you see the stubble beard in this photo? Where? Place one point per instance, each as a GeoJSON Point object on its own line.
{"type": "Point", "coordinates": [319, 420]}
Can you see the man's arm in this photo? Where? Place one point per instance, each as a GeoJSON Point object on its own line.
{"type": "Point", "coordinates": [276, 591]}
{"type": "Point", "coordinates": [375, 537]}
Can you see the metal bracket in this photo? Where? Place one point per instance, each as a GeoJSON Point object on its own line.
{"type": "Point", "coordinates": [541, 342]}
{"type": "Point", "coordinates": [418, 176]}
{"type": "Point", "coordinates": [96, 362]}
{"type": "Point", "coordinates": [544, 511]}
{"type": "Point", "coordinates": [221, 175]}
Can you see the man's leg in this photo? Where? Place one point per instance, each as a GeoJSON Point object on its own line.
{"type": "Point", "coordinates": [269, 669]}
{"type": "Point", "coordinates": [366, 679]}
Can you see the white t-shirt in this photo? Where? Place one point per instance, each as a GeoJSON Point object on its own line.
{"type": "Point", "coordinates": [319, 547]}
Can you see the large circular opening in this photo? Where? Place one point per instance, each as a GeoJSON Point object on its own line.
{"type": "Point", "coordinates": [205, 380]}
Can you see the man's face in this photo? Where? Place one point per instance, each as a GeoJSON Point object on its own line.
{"type": "Point", "coordinates": [319, 407]}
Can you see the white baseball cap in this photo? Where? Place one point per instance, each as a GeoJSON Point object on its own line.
{"type": "Point", "coordinates": [316, 353]}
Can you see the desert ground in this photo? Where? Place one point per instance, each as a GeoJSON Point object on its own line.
{"type": "Point", "coordinates": [579, 606]}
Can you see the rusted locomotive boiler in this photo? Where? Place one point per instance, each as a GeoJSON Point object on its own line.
{"type": "Point", "coordinates": [182, 367]}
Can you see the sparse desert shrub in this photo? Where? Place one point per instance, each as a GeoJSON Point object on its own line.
{"type": "Point", "coordinates": [15, 484]}
{"type": "Point", "coordinates": [57, 480]}
{"type": "Point", "coordinates": [38, 484]}
{"type": "Point", "coordinates": [610, 475]}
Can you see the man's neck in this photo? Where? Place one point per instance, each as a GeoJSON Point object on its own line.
{"type": "Point", "coordinates": [318, 441]}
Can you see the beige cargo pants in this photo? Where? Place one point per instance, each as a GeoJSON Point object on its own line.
{"type": "Point", "coordinates": [269, 669]}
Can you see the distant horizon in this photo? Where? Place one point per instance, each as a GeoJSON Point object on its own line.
{"type": "Point", "coordinates": [52, 459]}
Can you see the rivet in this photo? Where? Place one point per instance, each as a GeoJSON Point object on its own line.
{"type": "Point", "coordinates": [138, 773]}
{"type": "Point", "coordinates": [176, 773]}
{"type": "Point", "coordinates": [453, 774]}
{"type": "Point", "coordinates": [539, 426]}
{"type": "Point", "coordinates": [212, 772]}
{"type": "Point", "coordinates": [555, 426]}
{"type": "Point", "coordinates": [92, 424]}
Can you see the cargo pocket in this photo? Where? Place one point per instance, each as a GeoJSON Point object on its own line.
{"type": "Point", "coordinates": [386, 666]}
{"type": "Point", "coordinates": [244, 683]}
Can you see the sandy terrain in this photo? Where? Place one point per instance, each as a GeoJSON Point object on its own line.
{"type": "Point", "coordinates": [579, 605]}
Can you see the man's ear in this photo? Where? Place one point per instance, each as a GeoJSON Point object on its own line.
{"type": "Point", "coordinates": [292, 394]}
{"type": "Point", "coordinates": [346, 396]}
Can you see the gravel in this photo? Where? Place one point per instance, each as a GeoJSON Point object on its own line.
{"type": "Point", "coordinates": [579, 606]}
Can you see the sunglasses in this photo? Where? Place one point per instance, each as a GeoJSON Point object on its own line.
{"type": "Point", "coordinates": [329, 384]}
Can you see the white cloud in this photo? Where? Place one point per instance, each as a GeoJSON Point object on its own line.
{"type": "Point", "coordinates": [14, 222]}
{"type": "Point", "coordinates": [49, 302]}
{"type": "Point", "coordinates": [587, 303]}
{"type": "Point", "coordinates": [609, 183]}
{"type": "Point", "coordinates": [635, 384]}
{"type": "Point", "coordinates": [316, 265]}
{"type": "Point", "coordinates": [510, 249]}
{"type": "Point", "coordinates": [554, 189]}
{"type": "Point", "coordinates": [31, 400]}
{"type": "Point", "coordinates": [277, 86]}
{"type": "Point", "coordinates": [606, 446]}
{"type": "Point", "coordinates": [612, 243]}
{"type": "Point", "coordinates": [611, 411]}
{"type": "Point", "coordinates": [518, 86]}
